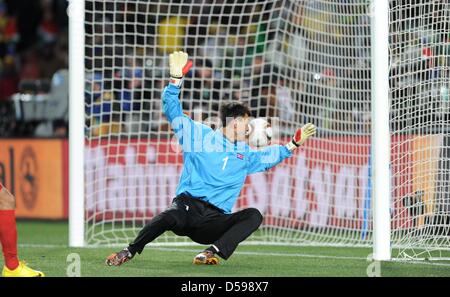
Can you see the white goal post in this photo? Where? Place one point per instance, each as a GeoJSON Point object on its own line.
{"type": "Point", "coordinates": [373, 76]}
{"type": "Point", "coordinates": [75, 12]}
{"type": "Point", "coordinates": [381, 137]}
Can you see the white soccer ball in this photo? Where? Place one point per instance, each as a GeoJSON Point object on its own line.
{"type": "Point", "coordinates": [260, 132]}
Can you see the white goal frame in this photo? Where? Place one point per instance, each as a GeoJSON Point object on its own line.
{"type": "Point", "coordinates": [380, 133]}
{"type": "Point", "coordinates": [76, 123]}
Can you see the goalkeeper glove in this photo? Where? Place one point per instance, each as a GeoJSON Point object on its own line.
{"type": "Point", "coordinates": [179, 66]}
{"type": "Point", "coordinates": [300, 136]}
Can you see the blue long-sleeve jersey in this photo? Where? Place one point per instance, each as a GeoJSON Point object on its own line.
{"type": "Point", "coordinates": [214, 168]}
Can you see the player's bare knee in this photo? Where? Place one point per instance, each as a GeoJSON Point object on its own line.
{"type": "Point", "coordinates": [7, 200]}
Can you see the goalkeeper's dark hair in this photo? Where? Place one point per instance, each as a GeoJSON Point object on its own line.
{"type": "Point", "coordinates": [233, 109]}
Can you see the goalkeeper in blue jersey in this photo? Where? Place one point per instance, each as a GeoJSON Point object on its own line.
{"type": "Point", "coordinates": [216, 163]}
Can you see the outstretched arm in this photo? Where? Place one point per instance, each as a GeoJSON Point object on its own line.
{"type": "Point", "coordinates": [270, 156]}
{"type": "Point", "coordinates": [266, 158]}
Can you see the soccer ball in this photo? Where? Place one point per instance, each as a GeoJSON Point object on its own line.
{"type": "Point", "coordinates": [260, 132]}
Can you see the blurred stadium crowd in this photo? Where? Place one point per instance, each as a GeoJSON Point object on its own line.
{"type": "Point", "coordinates": [257, 53]}
{"type": "Point", "coordinates": [33, 68]}
{"type": "Point", "coordinates": [296, 60]}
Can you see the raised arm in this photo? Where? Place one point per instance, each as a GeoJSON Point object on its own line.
{"type": "Point", "coordinates": [179, 65]}
{"type": "Point", "coordinates": [171, 103]}
{"type": "Point", "coordinates": [272, 155]}
{"type": "Point", "coordinates": [188, 132]}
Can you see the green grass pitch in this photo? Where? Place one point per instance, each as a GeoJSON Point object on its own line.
{"type": "Point", "coordinates": [44, 246]}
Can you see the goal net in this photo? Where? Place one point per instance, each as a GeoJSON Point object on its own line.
{"type": "Point", "coordinates": [420, 125]}
{"type": "Point", "coordinates": [292, 62]}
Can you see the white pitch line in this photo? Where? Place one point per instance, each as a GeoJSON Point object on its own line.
{"type": "Point", "coordinates": [38, 245]}
{"type": "Point", "coordinates": [306, 256]}
{"type": "Point", "coordinates": [425, 263]}
{"type": "Point", "coordinates": [268, 254]}
{"type": "Point", "coordinates": [299, 255]}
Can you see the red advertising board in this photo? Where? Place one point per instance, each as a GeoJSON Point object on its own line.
{"type": "Point", "coordinates": [35, 171]}
{"type": "Point", "coordinates": [324, 184]}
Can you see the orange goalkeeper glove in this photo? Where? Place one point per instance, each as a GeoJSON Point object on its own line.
{"type": "Point", "coordinates": [179, 65]}
{"type": "Point", "coordinates": [300, 136]}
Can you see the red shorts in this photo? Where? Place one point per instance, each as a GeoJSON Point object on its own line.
{"type": "Point", "coordinates": [1, 186]}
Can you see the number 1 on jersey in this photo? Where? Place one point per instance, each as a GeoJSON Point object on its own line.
{"type": "Point", "coordinates": [225, 160]}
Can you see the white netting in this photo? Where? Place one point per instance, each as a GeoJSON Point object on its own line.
{"type": "Point", "coordinates": [420, 122]}
{"type": "Point", "coordinates": [293, 61]}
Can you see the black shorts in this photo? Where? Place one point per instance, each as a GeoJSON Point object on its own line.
{"type": "Point", "coordinates": [201, 221]}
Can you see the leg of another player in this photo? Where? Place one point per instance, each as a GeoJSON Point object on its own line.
{"type": "Point", "coordinates": [8, 237]}
{"type": "Point", "coordinates": [226, 233]}
{"type": "Point", "coordinates": [8, 231]}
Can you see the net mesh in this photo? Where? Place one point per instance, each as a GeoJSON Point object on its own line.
{"type": "Point", "coordinates": [292, 62]}
{"type": "Point", "coordinates": [420, 122]}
